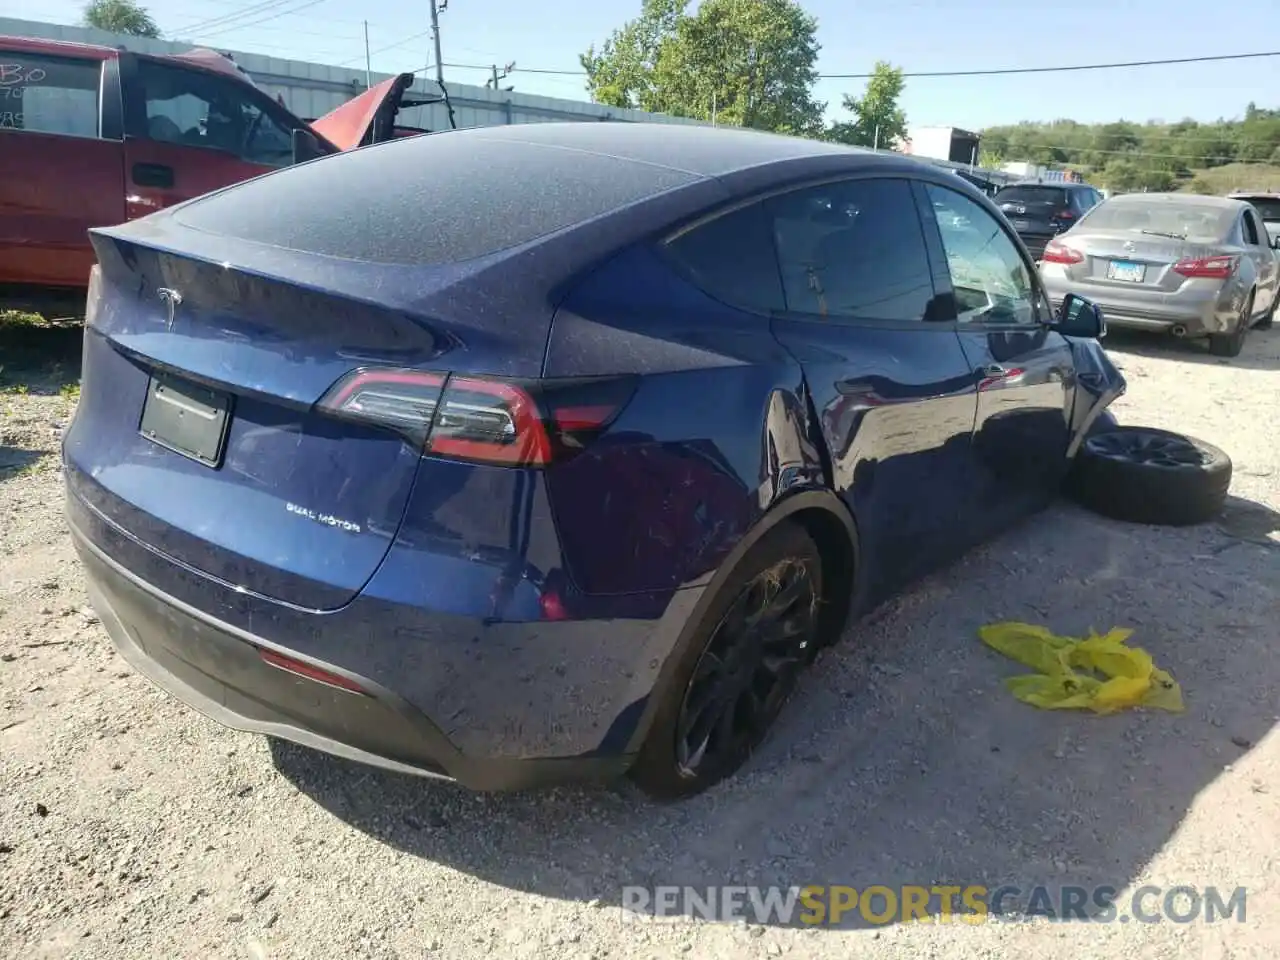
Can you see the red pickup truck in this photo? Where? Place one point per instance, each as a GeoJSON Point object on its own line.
{"type": "Point", "coordinates": [92, 136]}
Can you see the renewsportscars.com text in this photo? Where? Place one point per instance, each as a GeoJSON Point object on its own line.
{"type": "Point", "coordinates": [816, 905]}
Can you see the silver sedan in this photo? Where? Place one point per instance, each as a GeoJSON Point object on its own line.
{"type": "Point", "coordinates": [1188, 265]}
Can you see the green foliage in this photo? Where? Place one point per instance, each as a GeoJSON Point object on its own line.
{"type": "Point", "coordinates": [120, 16]}
{"type": "Point", "coordinates": [878, 120]}
{"type": "Point", "coordinates": [749, 63]}
{"type": "Point", "coordinates": [1143, 156]}
{"type": "Point", "coordinates": [621, 73]}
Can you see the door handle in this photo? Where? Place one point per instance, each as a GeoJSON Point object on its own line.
{"type": "Point", "coordinates": [152, 175]}
{"type": "Point", "coordinates": [993, 371]}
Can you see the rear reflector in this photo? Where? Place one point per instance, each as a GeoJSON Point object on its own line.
{"type": "Point", "coordinates": [513, 423]}
{"type": "Point", "coordinates": [1058, 252]}
{"type": "Point", "coordinates": [308, 672]}
{"type": "Point", "coordinates": [1214, 268]}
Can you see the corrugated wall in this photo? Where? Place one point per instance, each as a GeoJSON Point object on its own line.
{"type": "Point", "coordinates": [313, 89]}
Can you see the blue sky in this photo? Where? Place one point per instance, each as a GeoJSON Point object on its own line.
{"type": "Point", "coordinates": [923, 35]}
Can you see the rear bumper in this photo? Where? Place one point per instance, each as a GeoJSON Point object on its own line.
{"type": "Point", "coordinates": [218, 669]}
{"type": "Point", "coordinates": [1156, 314]}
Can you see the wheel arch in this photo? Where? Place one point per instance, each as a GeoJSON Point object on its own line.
{"type": "Point", "coordinates": [826, 519]}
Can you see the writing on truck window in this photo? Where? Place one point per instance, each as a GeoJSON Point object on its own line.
{"type": "Point", "coordinates": [16, 74]}
{"type": "Point", "coordinates": [52, 95]}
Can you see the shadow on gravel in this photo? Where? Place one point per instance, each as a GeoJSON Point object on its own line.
{"type": "Point", "coordinates": [13, 459]}
{"type": "Point", "coordinates": [902, 760]}
{"type": "Point", "coordinates": [40, 358]}
{"type": "Point", "coordinates": [1261, 348]}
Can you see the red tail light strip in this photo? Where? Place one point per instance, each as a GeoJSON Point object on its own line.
{"type": "Point", "coordinates": [308, 672]}
{"type": "Point", "coordinates": [1214, 268]}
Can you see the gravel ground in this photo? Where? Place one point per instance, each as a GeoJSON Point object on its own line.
{"type": "Point", "coordinates": [132, 827]}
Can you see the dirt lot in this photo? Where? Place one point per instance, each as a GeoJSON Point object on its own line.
{"type": "Point", "coordinates": [132, 827]}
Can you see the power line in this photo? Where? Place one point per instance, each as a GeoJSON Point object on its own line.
{"type": "Point", "coordinates": [1007, 71]}
{"type": "Point", "coordinates": [231, 28]}
{"type": "Point", "coordinates": [996, 72]}
{"type": "Point", "coordinates": [245, 11]}
{"type": "Point", "coordinates": [391, 46]}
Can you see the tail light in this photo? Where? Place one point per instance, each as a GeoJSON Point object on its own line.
{"type": "Point", "coordinates": [508, 422]}
{"type": "Point", "coordinates": [1058, 252]}
{"type": "Point", "coordinates": [1215, 268]}
{"type": "Point", "coordinates": [1067, 214]}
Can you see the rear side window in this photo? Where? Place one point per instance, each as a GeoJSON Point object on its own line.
{"type": "Point", "coordinates": [1269, 207]}
{"type": "Point", "coordinates": [732, 259]}
{"type": "Point", "coordinates": [439, 198]}
{"type": "Point", "coordinates": [853, 249]}
{"type": "Point", "coordinates": [1250, 230]}
{"type": "Point", "coordinates": [1054, 196]}
{"type": "Point", "coordinates": [49, 94]}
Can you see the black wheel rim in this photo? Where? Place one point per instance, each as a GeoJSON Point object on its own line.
{"type": "Point", "coordinates": [1152, 449]}
{"type": "Point", "coordinates": [748, 669]}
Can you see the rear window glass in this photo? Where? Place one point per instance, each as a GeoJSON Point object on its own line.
{"type": "Point", "coordinates": [1162, 218]}
{"type": "Point", "coordinates": [440, 198]}
{"type": "Point", "coordinates": [1054, 195]}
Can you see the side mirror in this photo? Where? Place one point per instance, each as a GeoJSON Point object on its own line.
{"type": "Point", "coordinates": [1275, 242]}
{"type": "Point", "coordinates": [306, 146]}
{"type": "Point", "coordinates": [1078, 317]}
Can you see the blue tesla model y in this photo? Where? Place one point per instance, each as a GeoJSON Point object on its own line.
{"type": "Point", "coordinates": [523, 454]}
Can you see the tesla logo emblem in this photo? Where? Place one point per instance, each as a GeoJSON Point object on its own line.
{"type": "Point", "coordinates": [1129, 247]}
{"type": "Point", "coordinates": [171, 300]}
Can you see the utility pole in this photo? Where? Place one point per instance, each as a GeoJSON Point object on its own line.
{"type": "Point", "coordinates": [368, 69]}
{"type": "Point", "coordinates": [875, 142]}
{"type": "Point", "coordinates": [498, 77]}
{"type": "Point", "coordinates": [435, 35]}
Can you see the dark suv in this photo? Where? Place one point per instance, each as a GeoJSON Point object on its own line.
{"type": "Point", "coordinates": [1040, 211]}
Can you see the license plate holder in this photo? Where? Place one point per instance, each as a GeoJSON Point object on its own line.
{"type": "Point", "coordinates": [1126, 270]}
{"type": "Point", "coordinates": [1021, 224]}
{"type": "Point", "coordinates": [186, 418]}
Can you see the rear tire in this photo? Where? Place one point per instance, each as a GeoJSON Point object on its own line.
{"type": "Point", "coordinates": [1145, 475]}
{"type": "Point", "coordinates": [1230, 344]}
{"type": "Point", "coordinates": [738, 670]}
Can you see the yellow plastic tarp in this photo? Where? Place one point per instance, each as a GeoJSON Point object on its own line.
{"type": "Point", "coordinates": [1101, 673]}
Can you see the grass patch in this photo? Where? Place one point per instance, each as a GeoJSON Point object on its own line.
{"type": "Point", "coordinates": [19, 318]}
{"type": "Point", "coordinates": [1217, 181]}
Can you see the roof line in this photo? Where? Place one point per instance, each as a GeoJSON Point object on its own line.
{"type": "Point", "coordinates": [589, 153]}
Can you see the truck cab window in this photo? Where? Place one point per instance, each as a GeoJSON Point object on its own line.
{"type": "Point", "coordinates": [42, 94]}
{"type": "Point", "coordinates": [194, 108]}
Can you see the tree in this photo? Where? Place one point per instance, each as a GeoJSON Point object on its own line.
{"type": "Point", "coordinates": [120, 16]}
{"type": "Point", "coordinates": [750, 63]}
{"type": "Point", "coordinates": [621, 73]}
{"type": "Point", "coordinates": [878, 120]}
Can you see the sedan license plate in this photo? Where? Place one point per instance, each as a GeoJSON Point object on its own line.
{"type": "Point", "coordinates": [1021, 224]}
{"type": "Point", "coordinates": [186, 418]}
{"type": "Point", "coordinates": [1126, 270]}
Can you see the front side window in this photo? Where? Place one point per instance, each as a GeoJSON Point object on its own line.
{"type": "Point", "coordinates": [193, 108]}
{"type": "Point", "coordinates": [43, 94]}
{"type": "Point", "coordinates": [852, 249]}
{"type": "Point", "coordinates": [991, 280]}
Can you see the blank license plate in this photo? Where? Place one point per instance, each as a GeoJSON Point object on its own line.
{"type": "Point", "coordinates": [186, 418]}
{"type": "Point", "coordinates": [1021, 224]}
{"type": "Point", "coordinates": [1125, 270]}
